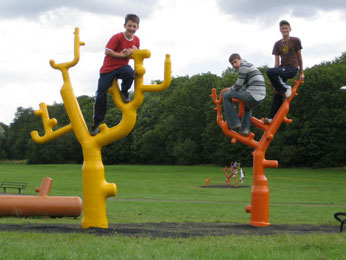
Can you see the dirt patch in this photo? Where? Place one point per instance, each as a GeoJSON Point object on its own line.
{"type": "Point", "coordinates": [226, 186]}
{"type": "Point", "coordinates": [173, 230]}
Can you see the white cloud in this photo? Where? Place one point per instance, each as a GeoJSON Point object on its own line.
{"type": "Point", "coordinates": [35, 8]}
{"type": "Point", "coordinates": [270, 10]}
{"type": "Point", "coordinates": [199, 35]}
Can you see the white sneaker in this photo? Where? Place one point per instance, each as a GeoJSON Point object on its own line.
{"type": "Point", "coordinates": [267, 121]}
{"type": "Point", "coordinates": [244, 132]}
{"type": "Point", "coordinates": [236, 127]}
{"type": "Point", "coordinates": [288, 92]}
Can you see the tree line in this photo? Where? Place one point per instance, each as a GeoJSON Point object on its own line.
{"type": "Point", "coordinates": [178, 126]}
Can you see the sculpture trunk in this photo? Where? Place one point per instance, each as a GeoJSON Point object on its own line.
{"type": "Point", "coordinates": [95, 189]}
{"type": "Point", "coordinates": [259, 192]}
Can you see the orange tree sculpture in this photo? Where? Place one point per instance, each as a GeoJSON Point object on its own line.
{"type": "Point", "coordinates": [259, 207]}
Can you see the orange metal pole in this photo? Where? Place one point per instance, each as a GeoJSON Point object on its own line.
{"type": "Point", "coordinates": [41, 205]}
{"type": "Point", "coordinates": [259, 207]}
{"type": "Point", "coordinates": [45, 187]}
{"type": "Point", "coordinates": [51, 206]}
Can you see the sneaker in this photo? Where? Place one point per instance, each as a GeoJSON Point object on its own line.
{"type": "Point", "coordinates": [244, 132]}
{"type": "Point", "coordinates": [267, 121]}
{"type": "Point", "coordinates": [94, 130]}
{"type": "Point", "coordinates": [125, 97]}
{"type": "Point", "coordinates": [236, 127]}
{"type": "Point", "coordinates": [288, 92]}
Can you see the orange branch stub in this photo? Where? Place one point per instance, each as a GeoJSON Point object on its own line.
{"type": "Point", "coordinates": [259, 207]}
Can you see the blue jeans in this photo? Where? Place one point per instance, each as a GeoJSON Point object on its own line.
{"type": "Point", "coordinates": [231, 113]}
{"type": "Point", "coordinates": [126, 74]}
{"type": "Point", "coordinates": [278, 78]}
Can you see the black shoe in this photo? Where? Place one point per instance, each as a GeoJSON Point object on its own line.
{"type": "Point", "coordinates": [125, 97]}
{"type": "Point", "coordinates": [95, 130]}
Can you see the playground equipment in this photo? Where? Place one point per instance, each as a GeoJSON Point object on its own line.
{"type": "Point", "coordinates": [340, 216]}
{"type": "Point", "coordinates": [13, 185]}
{"type": "Point", "coordinates": [207, 181]}
{"type": "Point", "coordinates": [242, 175]}
{"type": "Point", "coordinates": [233, 173]}
{"type": "Point", "coordinates": [95, 188]}
{"type": "Point", "coordinates": [41, 205]}
{"type": "Point", "coordinates": [259, 207]}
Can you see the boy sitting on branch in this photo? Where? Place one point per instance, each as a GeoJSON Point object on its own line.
{"type": "Point", "coordinates": [249, 88]}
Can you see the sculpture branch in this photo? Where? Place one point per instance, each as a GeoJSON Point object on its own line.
{"type": "Point", "coordinates": [248, 140]}
{"type": "Point", "coordinates": [129, 110]}
{"type": "Point", "coordinates": [67, 65]}
{"type": "Point", "coordinates": [48, 124]}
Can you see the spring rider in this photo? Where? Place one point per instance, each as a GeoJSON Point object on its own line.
{"type": "Point", "coordinates": [259, 207]}
{"type": "Point", "coordinates": [95, 188]}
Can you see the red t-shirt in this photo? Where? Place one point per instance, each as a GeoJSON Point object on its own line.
{"type": "Point", "coordinates": [117, 43]}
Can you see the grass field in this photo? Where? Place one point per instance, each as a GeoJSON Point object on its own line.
{"type": "Point", "coordinates": [174, 194]}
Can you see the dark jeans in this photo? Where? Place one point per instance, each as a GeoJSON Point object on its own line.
{"type": "Point", "coordinates": [231, 113]}
{"type": "Point", "coordinates": [278, 78]}
{"type": "Point", "coordinates": [126, 74]}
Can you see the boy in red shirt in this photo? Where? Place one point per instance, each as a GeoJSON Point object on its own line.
{"type": "Point", "coordinates": [289, 50]}
{"type": "Point", "coordinates": [115, 65]}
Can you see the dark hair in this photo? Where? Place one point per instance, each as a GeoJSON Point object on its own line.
{"type": "Point", "coordinates": [132, 17]}
{"type": "Point", "coordinates": [233, 57]}
{"type": "Point", "coordinates": [284, 22]}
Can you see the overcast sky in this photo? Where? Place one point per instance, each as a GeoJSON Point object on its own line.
{"type": "Point", "coordinates": [199, 34]}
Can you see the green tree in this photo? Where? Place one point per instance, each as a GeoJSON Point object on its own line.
{"type": "Point", "coordinates": [178, 126]}
{"type": "Point", "coordinates": [320, 116]}
{"type": "Point", "coordinates": [3, 137]}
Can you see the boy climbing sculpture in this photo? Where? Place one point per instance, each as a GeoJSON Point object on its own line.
{"type": "Point", "coordinates": [288, 57]}
{"type": "Point", "coordinates": [289, 49]}
{"type": "Point", "coordinates": [249, 88]}
{"type": "Point", "coordinates": [95, 187]}
{"type": "Point", "coordinates": [259, 207]}
{"type": "Point", "coordinates": [115, 65]}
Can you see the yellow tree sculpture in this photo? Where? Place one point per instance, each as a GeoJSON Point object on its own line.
{"type": "Point", "coordinates": [95, 188]}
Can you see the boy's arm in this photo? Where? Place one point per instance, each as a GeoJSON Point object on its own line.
{"type": "Point", "coordinates": [113, 44]}
{"type": "Point", "coordinates": [300, 62]}
{"type": "Point", "coordinates": [224, 91]}
{"type": "Point", "coordinates": [123, 54]}
{"type": "Point", "coordinates": [277, 60]}
{"type": "Point", "coordinates": [242, 74]}
{"type": "Point", "coordinates": [240, 81]}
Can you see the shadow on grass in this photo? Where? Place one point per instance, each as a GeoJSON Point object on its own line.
{"type": "Point", "coordinates": [226, 186]}
{"type": "Point", "coordinates": [173, 230]}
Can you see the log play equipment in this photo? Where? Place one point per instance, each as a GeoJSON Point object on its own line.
{"type": "Point", "coordinates": [41, 205]}
{"type": "Point", "coordinates": [259, 207]}
{"type": "Point", "coordinates": [95, 188]}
